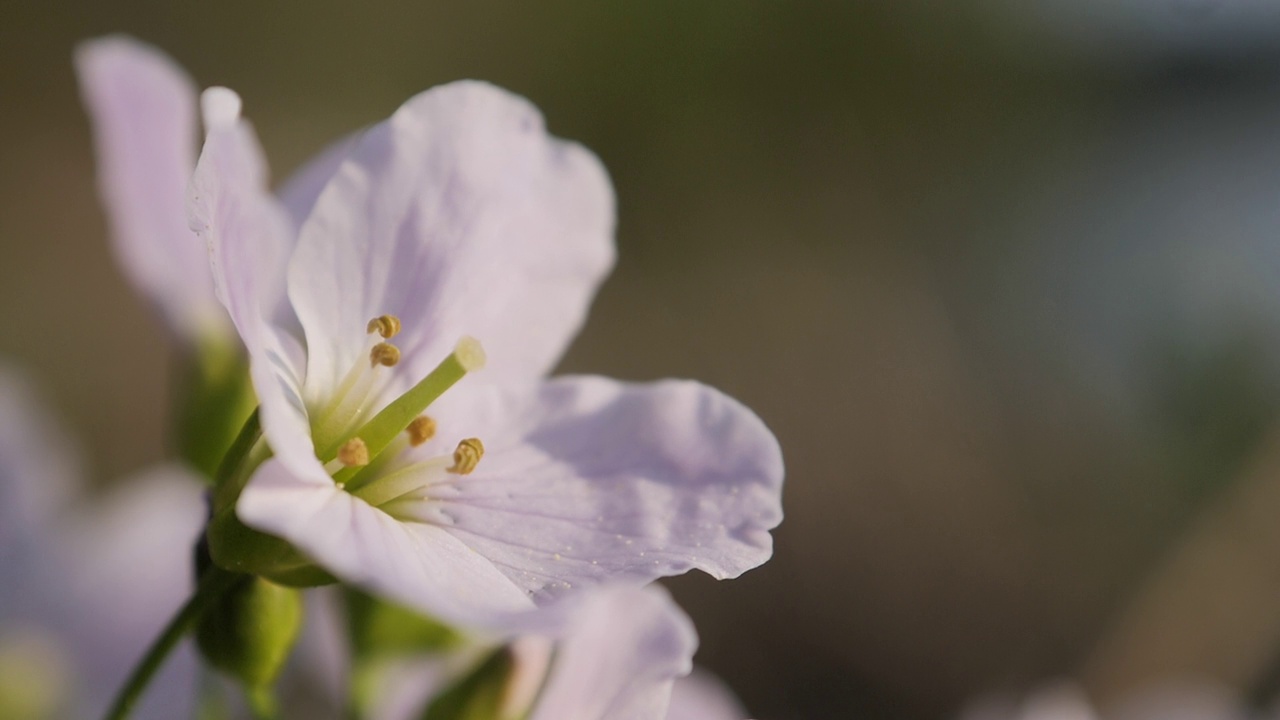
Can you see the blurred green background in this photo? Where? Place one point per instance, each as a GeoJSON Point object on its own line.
{"type": "Point", "coordinates": [1001, 276]}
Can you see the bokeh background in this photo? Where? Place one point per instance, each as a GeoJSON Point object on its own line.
{"type": "Point", "coordinates": [1002, 277]}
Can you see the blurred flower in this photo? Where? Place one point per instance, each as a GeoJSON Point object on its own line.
{"type": "Point", "coordinates": [87, 583]}
{"type": "Point", "coordinates": [143, 112]}
{"type": "Point", "coordinates": [618, 658]}
{"type": "Point", "coordinates": [1174, 700]}
{"type": "Point", "coordinates": [612, 653]}
{"type": "Point", "coordinates": [460, 216]}
{"type": "Point", "coordinates": [703, 696]}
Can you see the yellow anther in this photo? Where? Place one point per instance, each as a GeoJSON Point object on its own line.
{"type": "Point", "coordinates": [388, 326]}
{"type": "Point", "coordinates": [353, 453]}
{"type": "Point", "coordinates": [384, 354]}
{"type": "Point", "coordinates": [467, 456]}
{"type": "Point", "coordinates": [421, 430]}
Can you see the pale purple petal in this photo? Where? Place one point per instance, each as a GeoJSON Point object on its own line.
{"type": "Point", "coordinates": [121, 568]}
{"type": "Point", "coordinates": [299, 193]}
{"type": "Point", "coordinates": [249, 239]}
{"type": "Point", "coordinates": [94, 581]}
{"type": "Point", "coordinates": [619, 659]}
{"type": "Point", "coordinates": [703, 696]}
{"type": "Point", "coordinates": [39, 473]}
{"type": "Point", "coordinates": [593, 479]}
{"type": "Point", "coordinates": [461, 216]}
{"type": "Point", "coordinates": [417, 565]}
{"type": "Point", "coordinates": [142, 108]}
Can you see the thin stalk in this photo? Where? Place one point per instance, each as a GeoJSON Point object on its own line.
{"type": "Point", "coordinates": [214, 584]}
{"type": "Point", "coordinates": [262, 703]}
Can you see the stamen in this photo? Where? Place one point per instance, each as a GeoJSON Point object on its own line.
{"type": "Point", "coordinates": [421, 430]}
{"type": "Point", "coordinates": [467, 456]}
{"type": "Point", "coordinates": [354, 453]}
{"type": "Point", "coordinates": [393, 419]}
{"type": "Point", "coordinates": [410, 483]}
{"type": "Point", "coordinates": [384, 354]}
{"type": "Point", "coordinates": [388, 326]}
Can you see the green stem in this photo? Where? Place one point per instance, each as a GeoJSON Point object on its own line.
{"type": "Point", "coordinates": [234, 470]}
{"type": "Point", "coordinates": [214, 584]}
{"type": "Point", "coordinates": [262, 703]}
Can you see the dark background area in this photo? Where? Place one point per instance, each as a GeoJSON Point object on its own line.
{"type": "Point", "coordinates": [1002, 277]}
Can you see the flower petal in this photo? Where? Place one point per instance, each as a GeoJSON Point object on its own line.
{"type": "Point", "coordinates": [142, 108]}
{"type": "Point", "coordinates": [703, 696]}
{"type": "Point", "coordinates": [618, 660]}
{"type": "Point", "coordinates": [121, 568]}
{"type": "Point", "coordinates": [39, 473]}
{"type": "Point", "coordinates": [249, 239]}
{"type": "Point", "coordinates": [594, 479]}
{"type": "Point", "coordinates": [417, 565]}
{"type": "Point", "coordinates": [460, 215]}
{"type": "Point", "coordinates": [299, 193]}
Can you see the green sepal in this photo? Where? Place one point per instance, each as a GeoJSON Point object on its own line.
{"type": "Point", "coordinates": [214, 397]}
{"type": "Point", "coordinates": [249, 632]}
{"type": "Point", "coordinates": [479, 695]}
{"type": "Point", "coordinates": [236, 547]}
{"type": "Point", "coordinates": [239, 548]}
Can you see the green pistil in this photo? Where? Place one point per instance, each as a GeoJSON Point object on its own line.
{"type": "Point", "coordinates": [378, 433]}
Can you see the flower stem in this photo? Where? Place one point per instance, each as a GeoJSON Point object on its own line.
{"type": "Point", "coordinates": [214, 583]}
{"type": "Point", "coordinates": [244, 454]}
{"type": "Point", "coordinates": [262, 703]}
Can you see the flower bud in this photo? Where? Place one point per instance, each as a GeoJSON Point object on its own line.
{"type": "Point", "coordinates": [249, 633]}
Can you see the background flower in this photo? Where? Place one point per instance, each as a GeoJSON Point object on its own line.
{"type": "Point", "coordinates": [88, 581]}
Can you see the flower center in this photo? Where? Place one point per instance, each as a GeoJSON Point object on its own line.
{"type": "Point", "coordinates": [351, 403]}
{"type": "Point", "coordinates": [358, 450]}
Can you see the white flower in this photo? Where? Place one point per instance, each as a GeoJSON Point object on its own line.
{"type": "Point", "coordinates": [459, 216]}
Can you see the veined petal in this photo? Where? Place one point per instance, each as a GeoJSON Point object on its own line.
{"type": "Point", "coordinates": [619, 658]}
{"type": "Point", "coordinates": [249, 239]}
{"type": "Point", "coordinates": [142, 108]}
{"type": "Point", "coordinates": [417, 565]}
{"type": "Point", "coordinates": [594, 479]}
{"type": "Point", "coordinates": [461, 216]}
